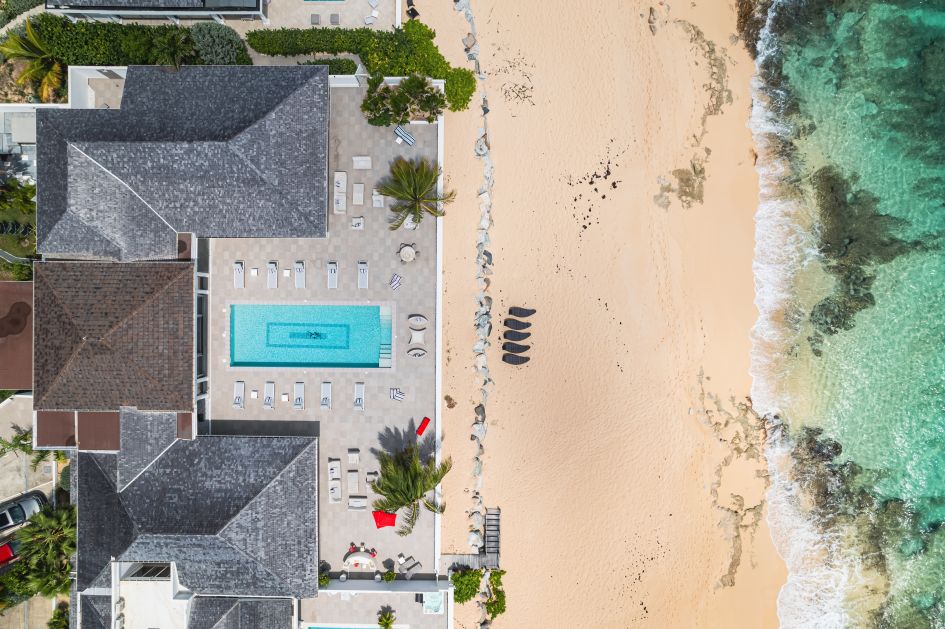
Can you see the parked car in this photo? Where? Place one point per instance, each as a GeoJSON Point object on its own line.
{"type": "Point", "coordinates": [15, 513]}
{"type": "Point", "coordinates": [9, 552]}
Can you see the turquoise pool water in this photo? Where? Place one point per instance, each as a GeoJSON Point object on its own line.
{"type": "Point", "coordinates": [270, 335]}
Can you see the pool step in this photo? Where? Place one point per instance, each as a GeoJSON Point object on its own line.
{"type": "Point", "coordinates": [385, 359]}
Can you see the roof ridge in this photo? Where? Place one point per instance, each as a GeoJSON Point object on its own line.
{"type": "Point", "coordinates": [269, 484]}
{"type": "Point", "coordinates": [236, 602]}
{"type": "Point", "coordinates": [76, 349]}
{"type": "Point", "coordinates": [122, 182]}
{"type": "Point", "coordinates": [255, 560]}
{"type": "Point", "coordinates": [134, 311]}
{"type": "Point", "coordinates": [143, 469]}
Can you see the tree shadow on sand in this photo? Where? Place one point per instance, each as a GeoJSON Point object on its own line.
{"type": "Point", "coordinates": [396, 440]}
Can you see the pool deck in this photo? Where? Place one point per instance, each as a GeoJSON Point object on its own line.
{"type": "Point", "coordinates": [342, 427]}
{"type": "Point", "coordinates": [352, 609]}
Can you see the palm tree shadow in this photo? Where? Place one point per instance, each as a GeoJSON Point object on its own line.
{"type": "Point", "coordinates": [396, 440]}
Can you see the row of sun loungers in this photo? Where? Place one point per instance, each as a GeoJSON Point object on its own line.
{"type": "Point", "coordinates": [272, 274]}
{"type": "Point", "coordinates": [298, 395]}
{"type": "Point", "coordinates": [356, 500]}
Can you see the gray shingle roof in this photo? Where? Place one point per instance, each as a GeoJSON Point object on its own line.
{"type": "Point", "coordinates": [111, 335]}
{"type": "Point", "coordinates": [236, 613]}
{"type": "Point", "coordinates": [96, 612]}
{"type": "Point", "coordinates": [219, 151]}
{"type": "Point", "coordinates": [236, 514]}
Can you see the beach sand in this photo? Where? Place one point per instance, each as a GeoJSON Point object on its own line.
{"type": "Point", "coordinates": [625, 459]}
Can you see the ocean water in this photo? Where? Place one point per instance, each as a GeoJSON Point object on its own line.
{"type": "Point", "coordinates": [849, 350]}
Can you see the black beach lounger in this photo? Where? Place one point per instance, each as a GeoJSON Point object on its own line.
{"type": "Point", "coordinates": [512, 359]}
{"type": "Point", "coordinates": [515, 324]}
{"type": "Point", "coordinates": [512, 335]}
{"type": "Point", "coordinates": [515, 348]}
{"type": "Point", "coordinates": [522, 313]}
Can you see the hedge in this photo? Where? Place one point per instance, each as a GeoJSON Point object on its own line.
{"type": "Point", "coordinates": [113, 44]}
{"type": "Point", "coordinates": [336, 65]}
{"type": "Point", "coordinates": [13, 8]}
{"type": "Point", "coordinates": [401, 52]}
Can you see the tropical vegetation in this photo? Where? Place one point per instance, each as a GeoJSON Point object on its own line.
{"type": "Point", "coordinates": [43, 69]}
{"type": "Point", "coordinates": [17, 217]}
{"type": "Point", "coordinates": [465, 584]}
{"type": "Point", "coordinates": [406, 482]}
{"type": "Point", "coordinates": [218, 44]}
{"type": "Point", "coordinates": [412, 185]}
{"type": "Point", "coordinates": [402, 52]}
{"type": "Point", "coordinates": [389, 575]}
{"type": "Point", "coordinates": [60, 617]}
{"type": "Point", "coordinates": [495, 605]}
{"type": "Point", "coordinates": [114, 44]}
{"type": "Point", "coordinates": [22, 443]}
{"type": "Point", "coordinates": [46, 545]}
{"type": "Point", "coordinates": [13, 8]}
{"type": "Point", "coordinates": [17, 273]}
{"type": "Point", "coordinates": [336, 65]}
{"type": "Point", "coordinates": [386, 619]}
{"type": "Point", "coordinates": [414, 98]}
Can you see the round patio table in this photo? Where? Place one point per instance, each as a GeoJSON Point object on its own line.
{"type": "Point", "coordinates": [408, 253]}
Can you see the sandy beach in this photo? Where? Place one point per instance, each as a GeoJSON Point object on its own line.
{"type": "Point", "coordinates": [625, 456]}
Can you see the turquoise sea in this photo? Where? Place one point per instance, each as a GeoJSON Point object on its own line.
{"type": "Point", "coordinates": [849, 351]}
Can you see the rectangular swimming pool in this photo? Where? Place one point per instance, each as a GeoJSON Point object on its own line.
{"type": "Point", "coordinates": [277, 335]}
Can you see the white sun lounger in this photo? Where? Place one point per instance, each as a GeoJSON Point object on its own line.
{"type": "Point", "coordinates": [416, 352]}
{"type": "Point", "coordinates": [354, 456]}
{"type": "Point", "coordinates": [272, 274]}
{"type": "Point", "coordinates": [332, 269]}
{"type": "Point", "coordinates": [403, 136]}
{"type": "Point", "coordinates": [239, 274]}
{"type": "Point", "coordinates": [352, 482]}
{"type": "Point", "coordinates": [361, 162]}
{"type": "Point", "coordinates": [341, 192]}
{"type": "Point", "coordinates": [357, 194]}
{"type": "Point", "coordinates": [357, 503]}
{"type": "Point", "coordinates": [359, 396]}
{"type": "Point", "coordinates": [326, 396]}
{"type": "Point", "coordinates": [334, 491]}
{"type": "Point", "coordinates": [269, 395]}
{"type": "Point", "coordinates": [298, 397]}
{"type": "Point", "coordinates": [369, 19]}
{"type": "Point", "coordinates": [239, 394]}
{"type": "Point", "coordinates": [362, 274]}
{"type": "Point", "coordinates": [397, 394]}
{"type": "Point", "coordinates": [334, 469]}
{"type": "Point", "coordinates": [300, 273]}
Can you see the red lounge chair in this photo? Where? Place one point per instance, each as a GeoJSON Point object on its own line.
{"type": "Point", "coordinates": [382, 519]}
{"type": "Point", "coordinates": [423, 426]}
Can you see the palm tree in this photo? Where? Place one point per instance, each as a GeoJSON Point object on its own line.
{"type": "Point", "coordinates": [172, 48]}
{"type": "Point", "coordinates": [22, 443]}
{"type": "Point", "coordinates": [412, 185]}
{"type": "Point", "coordinates": [386, 619]}
{"type": "Point", "coordinates": [404, 483]}
{"type": "Point", "coordinates": [42, 68]}
{"type": "Point", "coordinates": [47, 543]}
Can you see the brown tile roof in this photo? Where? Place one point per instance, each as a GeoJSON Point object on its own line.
{"type": "Point", "coordinates": [99, 431]}
{"type": "Point", "coordinates": [55, 429]}
{"type": "Point", "coordinates": [16, 335]}
{"type": "Point", "coordinates": [109, 335]}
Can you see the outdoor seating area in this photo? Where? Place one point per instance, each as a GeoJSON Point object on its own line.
{"type": "Point", "coordinates": [357, 411]}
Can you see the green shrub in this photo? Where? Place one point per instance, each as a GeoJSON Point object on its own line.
{"type": "Point", "coordinates": [65, 477]}
{"type": "Point", "coordinates": [460, 87]}
{"type": "Point", "coordinates": [336, 65]}
{"type": "Point", "coordinates": [389, 576]}
{"type": "Point", "coordinates": [13, 8]}
{"type": "Point", "coordinates": [60, 617]}
{"type": "Point", "coordinates": [110, 43]}
{"type": "Point", "coordinates": [401, 52]}
{"type": "Point", "coordinates": [414, 98]}
{"type": "Point", "coordinates": [496, 603]}
{"type": "Point", "coordinates": [16, 272]}
{"type": "Point", "coordinates": [323, 580]}
{"type": "Point", "coordinates": [218, 44]}
{"type": "Point", "coordinates": [465, 584]}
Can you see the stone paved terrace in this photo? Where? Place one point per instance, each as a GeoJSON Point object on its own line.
{"type": "Point", "coordinates": [355, 609]}
{"type": "Point", "coordinates": [298, 14]}
{"type": "Point", "coordinates": [342, 427]}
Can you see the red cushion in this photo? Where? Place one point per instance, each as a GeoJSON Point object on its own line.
{"type": "Point", "coordinates": [423, 425]}
{"type": "Point", "coordinates": [382, 519]}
